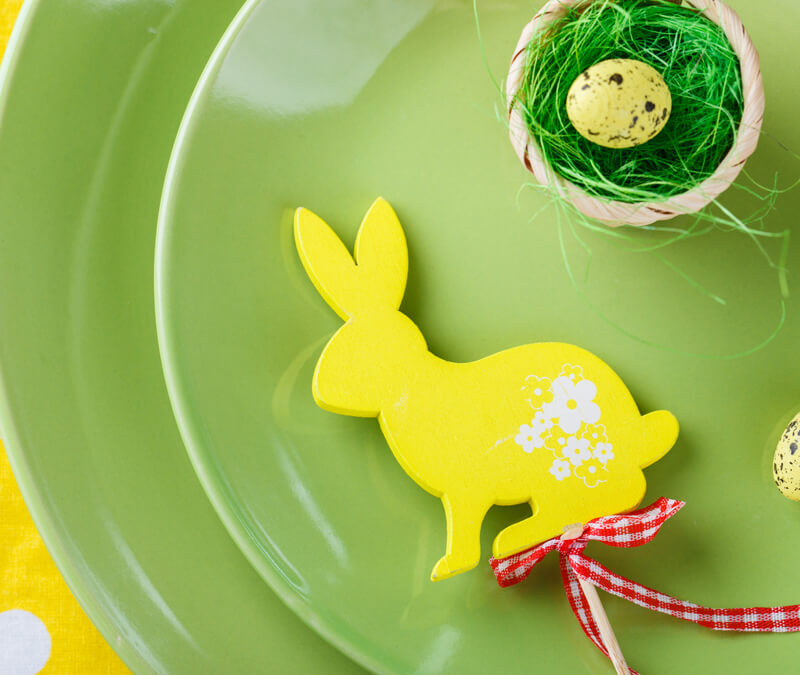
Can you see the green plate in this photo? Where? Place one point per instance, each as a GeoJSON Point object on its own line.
{"type": "Point", "coordinates": [92, 95]}
{"type": "Point", "coordinates": [328, 106]}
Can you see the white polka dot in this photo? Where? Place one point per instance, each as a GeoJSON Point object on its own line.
{"type": "Point", "coordinates": [24, 643]}
{"type": "Point", "coordinates": [592, 469]}
{"type": "Point", "coordinates": [537, 392]}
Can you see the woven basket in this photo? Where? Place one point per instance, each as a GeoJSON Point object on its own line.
{"type": "Point", "coordinates": [616, 213]}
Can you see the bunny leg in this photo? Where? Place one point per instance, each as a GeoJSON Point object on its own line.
{"type": "Point", "coordinates": [521, 535]}
{"type": "Point", "coordinates": [464, 515]}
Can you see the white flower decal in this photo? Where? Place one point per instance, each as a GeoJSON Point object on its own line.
{"type": "Point", "coordinates": [574, 373]}
{"type": "Point", "coordinates": [603, 452]}
{"type": "Point", "coordinates": [537, 391]}
{"type": "Point", "coordinates": [529, 438]}
{"type": "Point", "coordinates": [560, 469]}
{"type": "Point", "coordinates": [596, 433]}
{"type": "Point", "coordinates": [590, 473]}
{"type": "Point", "coordinates": [567, 424]}
{"type": "Point", "coordinates": [577, 450]}
{"type": "Point", "coordinates": [541, 423]}
{"type": "Point", "coordinates": [573, 404]}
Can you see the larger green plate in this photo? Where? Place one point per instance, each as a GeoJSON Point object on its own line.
{"type": "Point", "coordinates": [328, 105]}
{"type": "Point", "coordinates": [92, 95]}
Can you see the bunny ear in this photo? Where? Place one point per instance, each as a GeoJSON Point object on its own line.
{"type": "Point", "coordinates": [378, 281]}
{"type": "Point", "coordinates": [382, 254]}
{"type": "Point", "coordinates": [327, 262]}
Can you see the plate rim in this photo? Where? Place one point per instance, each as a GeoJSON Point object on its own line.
{"type": "Point", "coordinates": [199, 460]}
{"type": "Point", "coordinates": [93, 583]}
{"type": "Point", "coordinates": [11, 438]}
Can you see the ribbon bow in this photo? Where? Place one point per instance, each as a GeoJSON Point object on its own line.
{"type": "Point", "coordinates": [626, 531]}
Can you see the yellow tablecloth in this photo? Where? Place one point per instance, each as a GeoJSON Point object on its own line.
{"type": "Point", "coordinates": [42, 627]}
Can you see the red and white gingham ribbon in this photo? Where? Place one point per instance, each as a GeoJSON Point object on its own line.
{"type": "Point", "coordinates": [629, 530]}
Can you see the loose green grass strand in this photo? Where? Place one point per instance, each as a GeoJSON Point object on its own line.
{"type": "Point", "coordinates": [713, 356]}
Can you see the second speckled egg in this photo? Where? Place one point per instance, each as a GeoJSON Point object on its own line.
{"type": "Point", "coordinates": [619, 103]}
{"type": "Point", "coordinates": [786, 467]}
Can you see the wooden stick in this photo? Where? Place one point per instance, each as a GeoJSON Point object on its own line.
{"type": "Point", "coordinates": [599, 612]}
{"type": "Point", "coordinates": [604, 626]}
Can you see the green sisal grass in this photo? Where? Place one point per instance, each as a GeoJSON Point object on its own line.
{"type": "Point", "coordinates": [698, 64]}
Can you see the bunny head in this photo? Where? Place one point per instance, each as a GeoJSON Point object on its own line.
{"type": "Point", "coordinates": [359, 369]}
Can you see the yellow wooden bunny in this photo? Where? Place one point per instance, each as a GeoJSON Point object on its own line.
{"type": "Point", "coordinates": [549, 424]}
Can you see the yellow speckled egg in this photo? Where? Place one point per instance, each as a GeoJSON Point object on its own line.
{"type": "Point", "coordinates": [786, 467]}
{"type": "Point", "coordinates": [619, 103]}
